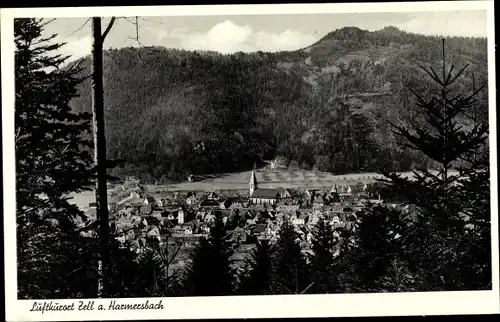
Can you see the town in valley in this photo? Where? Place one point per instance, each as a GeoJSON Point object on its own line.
{"type": "Point", "coordinates": [143, 214]}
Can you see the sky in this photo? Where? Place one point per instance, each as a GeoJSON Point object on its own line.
{"type": "Point", "coordinates": [249, 33]}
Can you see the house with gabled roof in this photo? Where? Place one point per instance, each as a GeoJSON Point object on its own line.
{"type": "Point", "coordinates": [204, 228]}
{"type": "Point", "coordinates": [169, 224]}
{"type": "Point", "coordinates": [319, 201]}
{"type": "Point", "coordinates": [313, 220]}
{"type": "Point", "coordinates": [169, 215]}
{"type": "Point", "coordinates": [186, 229]}
{"type": "Point", "coordinates": [190, 227]}
{"type": "Point", "coordinates": [285, 194]}
{"type": "Point", "coordinates": [149, 200]}
{"type": "Point", "coordinates": [138, 221]}
{"type": "Point", "coordinates": [136, 194]}
{"type": "Point", "coordinates": [332, 197]}
{"type": "Point", "coordinates": [160, 199]}
{"type": "Point", "coordinates": [345, 191]}
{"type": "Point", "coordinates": [153, 233]}
{"type": "Point", "coordinates": [212, 196]}
{"type": "Point", "coordinates": [112, 207]}
{"type": "Point", "coordinates": [209, 218]}
{"type": "Point", "coordinates": [251, 221]}
{"type": "Point", "coordinates": [301, 219]}
{"type": "Point", "coordinates": [293, 215]}
{"type": "Point", "coordinates": [333, 218]}
{"type": "Point", "coordinates": [311, 193]}
{"type": "Point", "coordinates": [209, 203]}
{"type": "Point", "coordinates": [192, 200]}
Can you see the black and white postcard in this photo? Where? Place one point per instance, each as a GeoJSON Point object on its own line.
{"type": "Point", "coordinates": [248, 161]}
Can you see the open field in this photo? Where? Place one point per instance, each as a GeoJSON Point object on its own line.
{"type": "Point", "coordinates": [266, 178]}
{"type": "Point", "coordinates": [83, 198]}
{"type": "Point", "coordinates": [272, 179]}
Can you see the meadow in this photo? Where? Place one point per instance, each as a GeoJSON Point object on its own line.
{"type": "Point", "coordinates": [267, 178]}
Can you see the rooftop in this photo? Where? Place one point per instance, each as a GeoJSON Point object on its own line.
{"type": "Point", "coordinates": [265, 193]}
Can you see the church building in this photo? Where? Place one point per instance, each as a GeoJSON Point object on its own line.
{"type": "Point", "coordinates": [260, 196]}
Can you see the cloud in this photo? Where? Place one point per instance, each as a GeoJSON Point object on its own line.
{"type": "Point", "coordinates": [448, 23]}
{"type": "Point", "coordinates": [227, 37]}
{"type": "Point", "coordinates": [163, 34]}
{"type": "Point", "coordinates": [75, 47]}
{"type": "Point", "coordinates": [287, 40]}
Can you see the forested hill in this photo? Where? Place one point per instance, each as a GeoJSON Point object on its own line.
{"type": "Point", "coordinates": [171, 113]}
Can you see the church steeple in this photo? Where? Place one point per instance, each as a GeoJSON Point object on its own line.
{"type": "Point", "coordinates": [253, 183]}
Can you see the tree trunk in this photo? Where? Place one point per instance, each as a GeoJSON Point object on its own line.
{"type": "Point", "coordinates": [446, 125]}
{"type": "Point", "coordinates": [100, 157]}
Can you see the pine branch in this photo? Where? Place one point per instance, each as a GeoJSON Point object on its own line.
{"type": "Point", "coordinates": [447, 81]}
{"type": "Point", "coordinates": [458, 74]}
{"type": "Point", "coordinates": [432, 73]}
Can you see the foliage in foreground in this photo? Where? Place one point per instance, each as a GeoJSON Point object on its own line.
{"type": "Point", "coordinates": [50, 163]}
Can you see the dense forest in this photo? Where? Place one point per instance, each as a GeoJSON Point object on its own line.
{"type": "Point", "coordinates": [171, 113]}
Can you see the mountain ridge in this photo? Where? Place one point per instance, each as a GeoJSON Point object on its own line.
{"type": "Point", "coordinates": [172, 112]}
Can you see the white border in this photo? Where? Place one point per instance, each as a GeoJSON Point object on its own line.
{"type": "Point", "coordinates": [430, 303]}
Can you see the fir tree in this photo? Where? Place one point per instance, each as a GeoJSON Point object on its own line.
{"type": "Point", "coordinates": [438, 242]}
{"type": "Point", "coordinates": [52, 160]}
{"type": "Point", "coordinates": [322, 261]}
{"type": "Point", "coordinates": [376, 246]}
{"type": "Point", "coordinates": [128, 277]}
{"type": "Point", "coordinates": [475, 243]}
{"type": "Point", "coordinates": [290, 273]}
{"type": "Point", "coordinates": [257, 281]}
{"type": "Point", "coordinates": [209, 272]}
{"type": "Point", "coordinates": [148, 274]}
